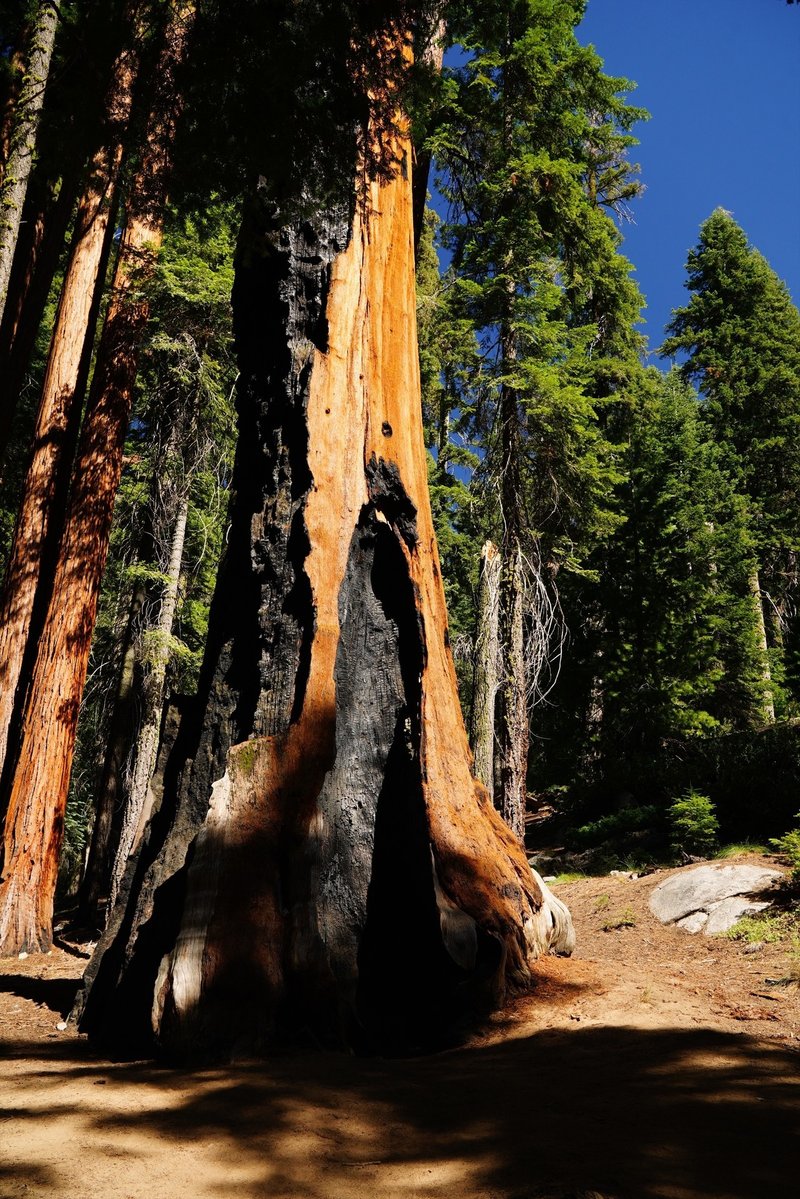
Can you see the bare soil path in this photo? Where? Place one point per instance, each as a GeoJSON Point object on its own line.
{"type": "Point", "coordinates": [653, 1065]}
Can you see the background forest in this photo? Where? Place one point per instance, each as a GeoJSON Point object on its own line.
{"type": "Point", "coordinates": [620, 541]}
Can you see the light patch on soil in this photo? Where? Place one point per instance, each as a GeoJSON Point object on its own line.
{"type": "Point", "coordinates": [653, 1065]}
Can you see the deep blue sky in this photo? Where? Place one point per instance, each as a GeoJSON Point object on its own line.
{"type": "Point", "coordinates": [721, 79]}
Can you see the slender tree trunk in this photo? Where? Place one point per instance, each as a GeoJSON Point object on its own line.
{"type": "Point", "coordinates": [95, 884]}
{"type": "Point", "coordinates": [23, 137]}
{"type": "Point", "coordinates": [513, 732]}
{"type": "Point", "coordinates": [10, 95]}
{"type": "Point", "coordinates": [38, 790]}
{"type": "Point", "coordinates": [768, 703]}
{"type": "Point", "coordinates": [325, 859]}
{"type": "Point", "coordinates": [136, 810]}
{"type": "Point", "coordinates": [485, 679]}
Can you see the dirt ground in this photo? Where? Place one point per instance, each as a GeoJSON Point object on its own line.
{"type": "Point", "coordinates": [652, 1064]}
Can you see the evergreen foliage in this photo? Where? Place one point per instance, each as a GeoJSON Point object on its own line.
{"type": "Point", "coordinates": [681, 650]}
{"type": "Point", "coordinates": [740, 333]}
{"type": "Point", "coordinates": [693, 824]}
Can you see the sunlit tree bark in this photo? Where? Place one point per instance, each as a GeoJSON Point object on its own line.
{"type": "Point", "coordinates": [323, 857]}
{"type": "Point", "coordinates": [40, 780]}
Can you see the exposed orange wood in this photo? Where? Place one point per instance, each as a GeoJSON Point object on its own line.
{"type": "Point", "coordinates": [364, 404]}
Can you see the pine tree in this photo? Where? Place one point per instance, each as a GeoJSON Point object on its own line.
{"type": "Point", "coordinates": [682, 654]}
{"type": "Point", "coordinates": [531, 137]}
{"type": "Point", "coordinates": [740, 333]}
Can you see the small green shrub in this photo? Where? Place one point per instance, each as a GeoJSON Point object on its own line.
{"type": "Point", "coordinates": [768, 929]}
{"type": "Point", "coordinates": [788, 846]}
{"type": "Point", "coordinates": [693, 824]}
{"type": "Point", "coordinates": [614, 826]}
{"type": "Point", "coordinates": [623, 919]}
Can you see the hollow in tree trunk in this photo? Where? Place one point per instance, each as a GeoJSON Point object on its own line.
{"type": "Point", "coordinates": [323, 858]}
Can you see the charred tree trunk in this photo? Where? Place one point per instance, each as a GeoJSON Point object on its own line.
{"type": "Point", "coordinates": [513, 723]}
{"type": "Point", "coordinates": [40, 783]}
{"type": "Point", "coordinates": [485, 676]}
{"type": "Point", "coordinates": [23, 136]}
{"type": "Point", "coordinates": [322, 857]}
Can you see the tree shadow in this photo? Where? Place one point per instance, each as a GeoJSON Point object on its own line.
{"type": "Point", "coordinates": [58, 994]}
{"type": "Point", "coordinates": [621, 1113]}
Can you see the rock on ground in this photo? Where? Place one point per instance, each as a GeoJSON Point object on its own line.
{"type": "Point", "coordinates": [711, 899]}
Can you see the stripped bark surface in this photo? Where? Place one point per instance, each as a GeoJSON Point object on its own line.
{"type": "Point", "coordinates": [323, 857]}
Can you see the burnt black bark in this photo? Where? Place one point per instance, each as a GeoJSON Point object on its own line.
{"type": "Point", "coordinates": [261, 622]}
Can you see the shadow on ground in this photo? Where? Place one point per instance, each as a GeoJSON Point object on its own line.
{"type": "Point", "coordinates": [614, 1112]}
{"type": "Point", "coordinates": [58, 994]}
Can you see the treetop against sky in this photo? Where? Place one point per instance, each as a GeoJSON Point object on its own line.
{"type": "Point", "coordinates": [721, 81]}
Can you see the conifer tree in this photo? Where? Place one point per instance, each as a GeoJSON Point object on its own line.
{"type": "Point", "coordinates": [740, 333]}
{"type": "Point", "coordinates": [524, 133]}
{"type": "Point", "coordinates": [682, 655]}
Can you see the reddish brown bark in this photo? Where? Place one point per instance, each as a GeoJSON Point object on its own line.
{"type": "Point", "coordinates": [59, 406]}
{"type": "Point", "coordinates": [328, 860]}
{"type": "Point", "coordinates": [39, 248]}
{"type": "Point", "coordinates": [38, 790]}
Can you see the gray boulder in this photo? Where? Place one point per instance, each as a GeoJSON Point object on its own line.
{"type": "Point", "coordinates": [712, 898]}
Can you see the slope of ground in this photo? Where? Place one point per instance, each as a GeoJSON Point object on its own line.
{"type": "Point", "coordinates": [653, 1065]}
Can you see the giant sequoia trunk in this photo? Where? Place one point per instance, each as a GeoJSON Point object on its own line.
{"type": "Point", "coordinates": [323, 857]}
{"type": "Point", "coordinates": [29, 570]}
{"type": "Point", "coordinates": [40, 781]}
